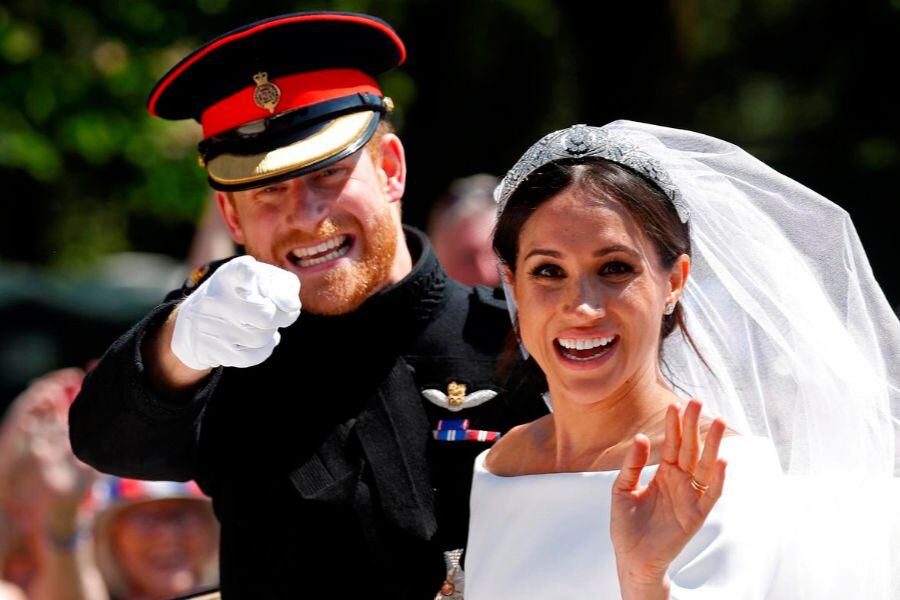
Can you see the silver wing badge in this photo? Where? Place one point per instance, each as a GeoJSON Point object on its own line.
{"type": "Point", "coordinates": [456, 398]}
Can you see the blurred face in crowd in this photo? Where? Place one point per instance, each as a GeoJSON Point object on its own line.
{"type": "Point", "coordinates": [591, 293]}
{"type": "Point", "coordinates": [337, 228]}
{"type": "Point", "coordinates": [464, 248]}
{"type": "Point", "coordinates": [163, 546]}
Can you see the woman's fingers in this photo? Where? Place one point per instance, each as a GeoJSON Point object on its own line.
{"type": "Point", "coordinates": [704, 471]}
{"type": "Point", "coordinates": [711, 495]}
{"type": "Point", "coordinates": [690, 437]}
{"type": "Point", "coordinates": [635, 460]}
{"type": "Point", "coordinates": [672, 442]}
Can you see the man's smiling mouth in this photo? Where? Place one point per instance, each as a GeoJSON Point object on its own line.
{"type": "Point", "coordinates": [330, 249]}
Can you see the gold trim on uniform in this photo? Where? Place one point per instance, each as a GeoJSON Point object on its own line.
{"type": "Point", "coordinates": [195, 276]}
{"type": "Point", "coordinates": [234, 169]}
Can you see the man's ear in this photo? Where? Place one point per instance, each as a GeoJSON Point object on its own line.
{"type": "Point", "coordinates": [225, 202]}
{"type": "Point", "coordinates": [678, 277]}
{"type": "Point", "coordinates": [391, 165]}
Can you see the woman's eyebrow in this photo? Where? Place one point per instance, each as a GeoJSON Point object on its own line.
{"type": "Point", "coordinates": [617, 248]}
{"type": "Point", "coordinates": [600, 252]}
{"type": "Point", "coordinates": [542, 252]}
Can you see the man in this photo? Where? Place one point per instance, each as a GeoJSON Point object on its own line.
{"type": "Point", "coordinates": [460, 227]}
{"type": "Point", "coordinates": [341, 459]}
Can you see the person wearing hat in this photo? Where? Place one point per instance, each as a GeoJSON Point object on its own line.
{"type": "Point", "coordinates": [341, 459]}
{"type": "Point", "coordinates": [154, 539]}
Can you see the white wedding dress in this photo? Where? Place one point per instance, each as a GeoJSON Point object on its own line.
{"type": "Point", "coordinates": [546, 537]}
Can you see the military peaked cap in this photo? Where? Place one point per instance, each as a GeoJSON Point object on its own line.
{"type": "Point", "coordinates": [282, 97]}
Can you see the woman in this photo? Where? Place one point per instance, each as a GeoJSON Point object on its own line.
{"type": "Point", "coordinates": [595, 232]}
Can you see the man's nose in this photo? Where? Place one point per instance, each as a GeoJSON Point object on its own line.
{"type": "Point", "coordinates": [308, 209]}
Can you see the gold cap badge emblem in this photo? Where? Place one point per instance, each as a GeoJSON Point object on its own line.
{"type": "Point", "coordinates": [456, 393]}
{"type": "Point", "coordinates": [267, 94]}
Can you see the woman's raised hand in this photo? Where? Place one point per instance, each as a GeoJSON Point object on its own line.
{"type": "Point", "coordinates": [650, 525]}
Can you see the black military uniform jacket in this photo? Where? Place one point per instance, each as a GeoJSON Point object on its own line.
{"type": "Point", "coordinates": [321, 461]}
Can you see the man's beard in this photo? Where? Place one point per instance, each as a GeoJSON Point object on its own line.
{"type": "Point", "coordinates": [344, 288]}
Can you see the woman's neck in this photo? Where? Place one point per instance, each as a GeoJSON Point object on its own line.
{"type": "Point", "coordinates": [585, 434]}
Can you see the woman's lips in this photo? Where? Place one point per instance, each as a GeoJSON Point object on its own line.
{"type": "Point", "coordinates": [585, 352]}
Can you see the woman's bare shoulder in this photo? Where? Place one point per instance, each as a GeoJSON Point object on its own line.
{"type": "Point", "coordinates": [515, 451]}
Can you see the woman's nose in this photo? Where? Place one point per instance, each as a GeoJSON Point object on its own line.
{"type": "Point", "coordinates": [587, 300]}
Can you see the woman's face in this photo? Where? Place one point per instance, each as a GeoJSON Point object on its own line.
{"type": "Point", "coordinates": [163, 546]}
{"type": "Point", "coordinates": [591, 295]}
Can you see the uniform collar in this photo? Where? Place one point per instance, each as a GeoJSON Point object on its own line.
{"type": "Point", "coordinates": [421, 292]}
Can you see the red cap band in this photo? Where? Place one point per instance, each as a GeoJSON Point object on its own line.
{"type": "Point", "coordinates": [297, 91]}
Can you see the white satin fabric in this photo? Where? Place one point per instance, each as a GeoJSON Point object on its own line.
{"type": "Point", "coordinates": [546, 537]}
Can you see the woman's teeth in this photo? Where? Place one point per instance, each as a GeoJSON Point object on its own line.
{"type": "Point", "coordinates": [584, 349]}
{"type": "Point", "coordinates": [585, 344]}
{"type": "Point", "coordinates": [331, 249]}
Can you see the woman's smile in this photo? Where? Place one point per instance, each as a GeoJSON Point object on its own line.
{"type": "Point", "coordinates": [585, 353]}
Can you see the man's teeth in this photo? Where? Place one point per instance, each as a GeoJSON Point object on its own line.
{"type": "Point", "coordinates": [337, 246]}
{"type": "Point", "coordinates": [585, 344]}
{"type": "Point", "coordinates": [323, 247]}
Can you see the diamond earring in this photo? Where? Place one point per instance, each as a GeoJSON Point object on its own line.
{"type": "Point", "coordinates": [670, 308]}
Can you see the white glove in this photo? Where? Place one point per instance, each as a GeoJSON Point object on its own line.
{"type": "Point", "coordinates": [232, 319]}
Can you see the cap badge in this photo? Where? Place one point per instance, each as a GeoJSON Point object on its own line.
{"type": "Point", "coordinates": [267, 94]}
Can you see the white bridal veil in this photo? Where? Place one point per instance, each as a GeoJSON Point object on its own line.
{"type": "Point", "coordinates": [801, 345]}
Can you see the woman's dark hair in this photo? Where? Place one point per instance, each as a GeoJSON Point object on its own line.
{"type": "Point", "coordinates": [598, 178]}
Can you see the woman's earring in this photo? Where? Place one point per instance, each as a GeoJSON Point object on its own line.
{"type": "Point", "coordinates": [670, 308]}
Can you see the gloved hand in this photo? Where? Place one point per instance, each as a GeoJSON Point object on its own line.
{"type": "Point", "coordinates": [232, 319]}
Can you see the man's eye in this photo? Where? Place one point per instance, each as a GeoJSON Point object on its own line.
{"type": "Point", "coordinates": [548, 271]}
{"type": "Point", "coordinates": [616, 268]}
{"type": "Point", "coordinates": [329, 172]}
{"type": "Point", "coordinates": [273, 189]}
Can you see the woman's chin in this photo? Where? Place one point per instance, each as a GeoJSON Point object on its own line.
{"type": "Point", "coordinates": [583, 390]}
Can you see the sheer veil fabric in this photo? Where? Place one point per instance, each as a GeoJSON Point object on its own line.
{"type": "Point", "coordinates": [800, 344]}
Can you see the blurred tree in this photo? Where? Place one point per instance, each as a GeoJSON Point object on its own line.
{"type": "Point", "coordinates": [92, 173]}
{"type": "Point", "coordinates": [801, 84]}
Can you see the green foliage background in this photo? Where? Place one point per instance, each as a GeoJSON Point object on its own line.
{"type": "Point", "coordinates": [803, 84]}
